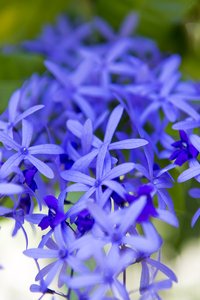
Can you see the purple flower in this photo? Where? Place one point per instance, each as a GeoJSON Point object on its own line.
{"type": "Point", "coordinates": [14, 117]}
{"type": "Point", "coordinates": [84, 221]}
{"type": "Point", "coordinates": [76, 128]}
{"type": "Point", "coordinates": [62, 251]}
{"type": "Point", "coordinates": [27, 152]}
{"type": "Point", "coordinates": [149, 209]}
{"type": "Point", "coordinates": [55, 215]}
{"type": "Point", "coordinates": [185, 149]}
{"type": "Point", "coordinates": [105, 277]}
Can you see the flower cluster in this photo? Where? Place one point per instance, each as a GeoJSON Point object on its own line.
{"type": "Point", "coordinates": [89, 143]}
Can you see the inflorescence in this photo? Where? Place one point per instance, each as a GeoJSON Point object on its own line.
{"type": "Point", "coordinates": [90, 143]}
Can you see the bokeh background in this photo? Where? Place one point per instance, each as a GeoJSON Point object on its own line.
{"type": "Point", "coordinates": [175, 26]}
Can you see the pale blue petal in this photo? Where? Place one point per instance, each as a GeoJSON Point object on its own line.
{"type": "Point", "coordinates": [8, 141]}
{"type": "Point", "coordinates": [10, 164]}
{"type": "Point", "coordinates": [131, 214]}
{"type": "Point", "coordinates": [161, 267]}
{"type": "Point", "coordinates": [113, 123]}
{"type": "Point", "coordinates": [188, 174]}
{"type": "Point", "coordinates": [195, 140]}
{"type": "Point", "coordinates": [167, 217]}
{"type": "Point", "coordinates": [41, 166]}
{"type": "Point", "coordinates": [28, 112]}
{"type": "Point", "coordinates": [13, 105]}
{"type": "Point", "coordinates": [27, 132]}
{"type": "Point", "coordinates": [10, 188]}
{"type": "Point", "coordinates": [46, 149]}
{"type": "Point", "coordinates": [86, 280]}
{"type": "Point", "coordinates": [195, 217]}
{"type": "Point", "coordinates": [128, 144]}
{"type": "Point", "coordinates": [76, 176]}
{"type": "Point", "coordinates": [119, 171]}
{"type": "Point", "coordinates": [82, 163]}
{"type": "Point", "coordinates": [41, 253]}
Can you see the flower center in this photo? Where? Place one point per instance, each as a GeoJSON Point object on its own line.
{"type": "Point", "coordinates": [24, 151]}
{"type": "Point", "coordinates": [63, 253]}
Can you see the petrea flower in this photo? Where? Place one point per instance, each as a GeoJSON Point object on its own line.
{"type": "Point", "coordinates": [149, 288]}
{"type": "Point", "coordinates": [92, 185]}
{"type": "Point", "coordinates": [116, 226]}
{"type": "Point", "coordinates": [84, 221]}
{"type": "Point", "coordinates": [105, 276]}
{"type": "Point", "coordinates": [29, 178]}
{"type": "Point", "coordinates": [14, 117]}
{"type": "Point", "coordinates": [185, 149]}
{"type": "Point", "coordinates": [76, 128]}
{"type": "Point", "coordinates": [74, 87]}
{"type": "Point", "coordinates": [62, 250]}
{"type": "Point", "coordinates": [25, 151]}
{"type": "Point", "coordinates": [55, 216]}
{"type": "Point", "coordinates": [149, 209]}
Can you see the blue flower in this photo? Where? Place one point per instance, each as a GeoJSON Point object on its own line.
{"type": "Point", "coordinates": [25, 151]}
{"type": "Point", "coordinates": [185, 150]}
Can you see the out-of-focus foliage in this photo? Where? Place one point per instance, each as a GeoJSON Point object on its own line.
{"type": "Point", "coordinates": [174, 24]}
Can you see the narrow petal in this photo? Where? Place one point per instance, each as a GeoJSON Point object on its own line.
{"type": "Point", "coordinates": [84, 106]}
{"type": "Point", "coordinates": [13, 104]}
{"type": "Point", "coordinates": [75, 127]}
{"type": "Point", "coordinates": [131, 214]}
{"type": "Point", "coordinates": [195, 140]}
{"type": "Point", "coordinates": [10, 188]}
{"type": "Point", "coordinates": [119, 171]}
{"type": "Point", "coordinates": [195, 217]}
{"type": "Point", "coordinates": [100, 216]}
{"type": "Point", "coordinates": [58, 72]}
{"type": "Point", "coordinates": [114, 186]}
{"type": "Point", "coordinates": [113, 123]}
{"type": "Point", "coordinates": [28, 112]}
{"type": "Point", "coordinates": [120, 289]}
{"type": "Point", "coordinates": [12, 162]}
{"type": "Point", "coordinates": [82, 163]}
{"type": "Point", "coordinates": [46, 149]}
{"type": "Point", "coordinates": [182, 105]}
{"type": "Point", "coordinates": [76, 176]}
{"type": "Point", "coordinates": [128, 144]}
{"type": "Point", "coordinates": [8, 141]}
{"type": "Point", "coordinates": [161, 267]}
{"type": "Point", "coordinates": [84, 280]}
{"type": "Point", "coordinates": [42, 167]}
{"type": "Point", "coordinates": [188, 174]}
{"type": "Point", "coordinates": [41, 253]}
{"type": "Point", "coordinates": [27, 132]}
{"type": "Point", "coordinates": [167, 217]}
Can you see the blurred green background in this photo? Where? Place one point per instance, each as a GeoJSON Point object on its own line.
{"type": "Point", "coordinates": [173, 24]}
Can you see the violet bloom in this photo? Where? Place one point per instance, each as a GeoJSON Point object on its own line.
{"type": "Point", "coordinates": [105, 276]}
{"type": "Point", "coordinates": [149, 209]}
{"type": "Point", "coordinates": [14, 117]}
{"type": "Point", "coordinates": [55, 216]}
{"type": "Point", "coordinates": [84, 221]}
{"type": "Point", "coordinates": [27, 152]}
{"type": "Point", "coordinates": [184, 150]}
{"type": "Point", "coordinates": [74, 86]}
{"type": "Point", "coordinates": [118, 228]}
{"type": "Point", "coordinates": [76, 128]}
{"type": "Point", "coordinates": [61, 249]}
{"type": "Point", "coordinates": [149, 287]}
